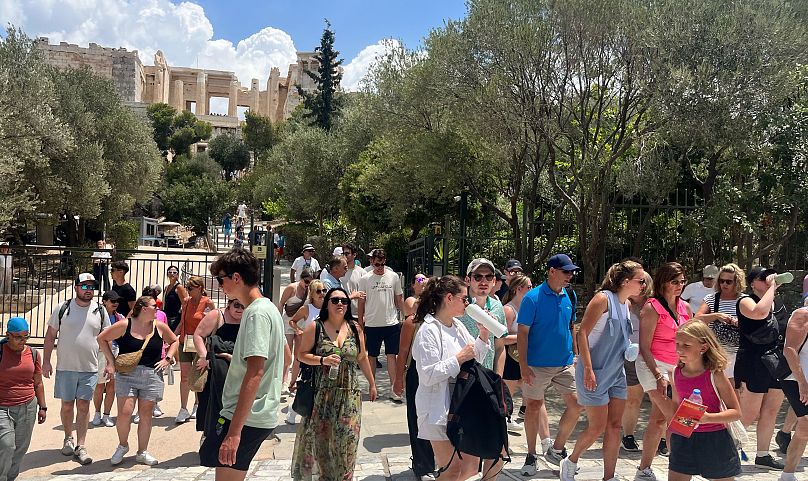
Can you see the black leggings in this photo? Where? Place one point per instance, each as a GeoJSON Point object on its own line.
{"type": "Point", "coordinates": [423, 459]}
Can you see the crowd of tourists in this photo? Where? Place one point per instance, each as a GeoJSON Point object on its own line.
{"type": "Point", "coordinates": [725, 343]}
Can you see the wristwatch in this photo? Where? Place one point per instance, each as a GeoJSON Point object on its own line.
{"type": "Point", "coordinates": [43, 408]}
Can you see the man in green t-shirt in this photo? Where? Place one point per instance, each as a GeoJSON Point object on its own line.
{"type": "Point", "coordinates": [252, 389]}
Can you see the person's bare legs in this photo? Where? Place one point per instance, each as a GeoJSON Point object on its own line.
{"type": "Point", "coordinates": [295, 363]}
{"type": "Point", "coordinates": [230, 474]}
{"type": "Point", "coordinates": [67, 413]}
{"type": "Point", "coordinates": [596, 417]}
{"type": "Point", "coordinates": [391, 367]}
{"type": "Point", "coordinates": [98, 396]}
{"type": "Point", "coordinates": [144, 409]}
{"type": "Point", "coordinates": [373, 365]}
{"type": "Point", "coordinates": [287, 379]}
{"type": "Point", "coordinates": [458, 469]}
{"type": "Point", "coordinates": [611, 438]}
{"type": "Point", "coordinates": [109, 397]}
{"type": "Point", "coordinates": [790, 422]}
{"type": "Point", "coordinates": [126, 405]}
{"type": "Point", "coordinates": [653, 432]}
{"type": "Point", "coordinates": [185, 388]}
{"type": "Point", "coordinates": [532, 409]}
{"type": "Point", "coordinates": [82, 420]}
{"type": "Point", "coordinates": [797, 446]}
{"type": "Point", "coordinates": [632, 411]}
{"type": "Point", "coordinates": [772, 401]}
{"type": "Point", "coordinates": [568, 421]}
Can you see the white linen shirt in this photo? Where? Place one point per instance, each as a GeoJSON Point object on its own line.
{"type": "Point", "coordinates": [434, 351]}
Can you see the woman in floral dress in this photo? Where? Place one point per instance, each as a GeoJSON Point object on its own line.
{"type": "Point", "coordinates": [326, 442]}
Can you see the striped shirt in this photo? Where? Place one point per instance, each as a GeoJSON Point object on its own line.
{"type": "Point", "coordinates": [728, 336]}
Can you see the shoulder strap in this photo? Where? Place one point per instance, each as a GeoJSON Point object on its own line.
{"type": "Point", "coordinates": [148, 338]}
{"type": "Point", "coordinates": [352, 325]}
{"type": "Point", "coordinates": [716, 302]}
{"type": "Point", "coordinates": [717, 394]}
{"type": "Point", "coordinates": [33, 354]}
{"type": "Point", "coordinates": [316, 336]}
{"type": "Point", "coordinates": [64, 310]}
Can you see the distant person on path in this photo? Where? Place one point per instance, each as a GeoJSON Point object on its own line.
{"type": "Point", "coordinates": [6, 269]}
{"type": "Point", "coordinates": [22, 396]}
{"type": "Point", "coordinates": [305, 261]}
{"type": "Point", "coordinates": [281, 246]}
{"type": "Point", "coordinates": [350, 280]}
{"type": "Point", "coordinates": [546, 358]}
{"type": "Point", "coordinates": [227, 227]}
{"type": "Point", "coordinates": [337, 267]}
{"type": "Point", "coordinates": [512, 268]}
{"type": "Point", "coordinates": [173, 297]}
{"type": "Point", "coordinates": [193, 310]}
{"type": "Point", "coordinates": [378, 313]}
{"type": "Point", "coordinates": [330, 436]}
{"type": "Point", "coordinates": [101, 259]}
{"type": "Point", "coordinates": [518, 286]}
{"type": "Point", "coordinates": [695, 292]}
{"type": "Point", "coordinates": [77, 327]}
{"type": "Point", "coordinates": [252, 390]}
{"type": "Point", "coordinates": [143, 385]}
{"type": "Point", "coordinates": [293, 297]}
{"type": "Point", "coordinates": [218, 330]}
{"type": "Point", "coordinates": [106, 383]}
{"type": "Point", "coordinates": [242, 214]}
{"type": "Point", "coordinates": [122, 287]}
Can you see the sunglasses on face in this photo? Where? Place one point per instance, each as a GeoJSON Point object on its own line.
{"type": "Point", "coordinates": [172, 273]}
{"type": "Point", "coordinates": [378, 264]}
{"type": "Point", "coordinates": [678, 282]}
{"type": "Point", "coordinates": [85, 287]}
{"type": "Point", "coordinates": [114, 302]}
{"type": "Point", "coordinates": [321, 291]}
{"type": "Point", "coordinates": [238, 305]}
{"type": "Point", "coordinates": [340, 300]}
{"type": "Point", "coordinates": [479, 277]}
{"type": "Point", "coordinates": [468, 300]}
{"type": "Point", "coordinates": [220, 279]}
{"type": "Point", "coordinates": [641, 281]}
{"type": "Point", "coordinates": [190, 288]}
{"type": "Point", "coordinates": [307, 281]}
{"type": "Point", "coordinates": [728, 282]}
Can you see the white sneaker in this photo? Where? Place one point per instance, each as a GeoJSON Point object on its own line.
{"type": "Point", "coordinates": [118, 455]}
{"type": "Point", "coordinates": [193, 412]}
{"type": "Point", "coordinates": [182, 416]}
{"type": "Point", "coordinates": [107, 421]}
{"type": "Point", "coordinates": [136, 419]}
{"type": "Point", "coordinates": [567, 470]}
{"type": "Point", "coordinates": [646, 474]}
{"type": "Point", "coordinates": [291, 417]}
{"type": "Point", "coordinates": [146, 458]}
{"type": "Point", "coordinates": [97, 419]}
{"type": "Point", "coordinates": [787, 477]}
{"type": "Point", "coordinates": [69, 446]}
{"type": "Point", "coordinates": [546, 444]}
{"type": "Point", "coordinates": [514, 426]}
{"type": "Point", "coordinates": [157, 411]}
{"type": "Point", "coordinates": [395, 398]}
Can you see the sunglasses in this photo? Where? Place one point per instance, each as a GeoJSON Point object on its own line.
{"type": "Point", "coordinates": [479, 277]}
{"type": "Point", "coordinates": [172, 273]}
{"type": "Point", "coordinates": [85, 287]}
{"type": "Point", "coordinates": [378, 264]}
{"type": "Point", "coordinates": [340, 300]}
{"type": "Point", "coordinates": [114, 302]}
{"type": "Point", "coordinates": [678, 283]}
{"type": "Point", "coordinates": [190, 288]}
{"type": "Point", "coordinates": [641, 281]}
{"type": "Point", "coordinates": [728, 282]}
{"type": "Point", "coordinates": [238, 305]}
{"type": "Point", "coordinates": [468, 300]}
{"type": "Point", "coordinates": [321, 291]}
{"type": "Point", "coordinates": [220, 279]}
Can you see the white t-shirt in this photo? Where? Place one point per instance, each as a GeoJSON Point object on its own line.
{"type": "Point", "coordinates": [242, 210]}
{"type": "Point", "coordinates": [695, 293]}
{"type": "Point", "coordinates": [380, 303]}
{"type": "Point", "coordinates": [300, 263]}
{"type": "Point", "coordinates": [102, 256]}
{"type": "Point", "coordinates": [350, 282]}
{"type": "Point", "coordinates": [5, 261]}
{"type": "Point", "coordinates": [77, 349]}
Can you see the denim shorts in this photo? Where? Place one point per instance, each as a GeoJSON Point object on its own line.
{"type": "Point", "coordinates": [142, 383]}
{"type": "Point", "coordinates": [72, 385]}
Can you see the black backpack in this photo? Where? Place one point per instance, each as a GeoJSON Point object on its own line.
{"type": "Point", "coordinates": [476, 422]}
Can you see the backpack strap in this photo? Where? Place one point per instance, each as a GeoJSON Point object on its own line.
{"type": "Point", "coordinates": [574, 300]}
{"type": "Point", "coordinates": [716, 301]}
{"type": "Point", "coordinates": [65, 309]}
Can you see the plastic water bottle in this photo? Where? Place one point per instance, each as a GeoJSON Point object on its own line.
{"type": "Point", "coordinates": [784, 278]}
{"type": "Point", "coordinates": [333, 371]}
{"type": "Point", "coordinates": [481, 317]}
{"type": "Point", "coordinates": [696, 397]}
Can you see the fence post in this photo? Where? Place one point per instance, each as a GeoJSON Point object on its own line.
{"type": "Point", "coordinates": [269, 263]}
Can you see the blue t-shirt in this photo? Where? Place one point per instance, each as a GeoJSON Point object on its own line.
{"type": "Point", "coordinates": [548, 314]}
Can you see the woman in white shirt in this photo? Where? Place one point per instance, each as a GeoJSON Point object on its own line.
{"type": "Point", "coordinates": [441, 346]}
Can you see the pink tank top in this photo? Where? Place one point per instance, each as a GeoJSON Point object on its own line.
{"type": "Point", "coordinates": [663, 344]}
{"type": "Point", "coordinates": [685, 386]}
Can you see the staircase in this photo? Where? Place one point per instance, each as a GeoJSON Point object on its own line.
{"type": "Point", "coordinates": [218, 240]}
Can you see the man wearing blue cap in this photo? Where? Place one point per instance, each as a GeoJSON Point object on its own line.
{"type": "Point", "coordinates": [77, 322]}
{"type": "Point", "coordinates": [22, 397]}
{"type": "Point", "coordinates": [545, 336]}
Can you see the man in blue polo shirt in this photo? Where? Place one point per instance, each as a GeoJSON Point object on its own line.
{"type": "Point", "coordinates": [547, 357]}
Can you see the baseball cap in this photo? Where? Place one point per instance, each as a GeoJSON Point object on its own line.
{"type": "Point", "coordinates": [337, 251]}
{"type": "Point", "coordinates": [563, 262]}
{"type": "Point", "coordinates": [85, 277]}
{"type": "Point", "coordinates": [111, 296]}
{"type": "Point", "coordinates": [499, 275]}
{"type": "Point", "coordinates": [513, 264]}
{"type": "Point", "coordinates": [308, 247]}
{"type": "Point", "coordinates": [759, 272]}
{"type": "Point", "coordinates": [710, 272]}
{"type": "Point", "coordinates": [17, 324]}
{"type": "Point", "coordinates": [480, 262]}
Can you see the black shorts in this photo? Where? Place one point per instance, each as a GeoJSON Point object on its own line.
{"type": "Point", "coordinates": [511, 372]}
{"type": "Point", "coordinates": [749, 369]}
{"type": "Point", "coordinates": [251, 439]}
{"type": "Point", "coordinates": [711, 455]}
{"type": "Point", "coordinates": [631, 373]}
{"type": "Point", "coordinates": [792, 391]}
{"type": "Point", "coordinates": [375, 336]}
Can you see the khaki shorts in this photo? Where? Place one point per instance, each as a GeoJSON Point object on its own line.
{"type": "Point", "coordinates": [562, 378]}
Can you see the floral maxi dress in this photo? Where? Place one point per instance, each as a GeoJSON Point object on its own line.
{"type": "Point", "coordinates": [326, 442]}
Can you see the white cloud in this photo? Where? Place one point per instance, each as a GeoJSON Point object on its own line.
{"type": "Point", "coordinates": [182, 31]}
{"type": "Point", "coordinates": [356, 70]}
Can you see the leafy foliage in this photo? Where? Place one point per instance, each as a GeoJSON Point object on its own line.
{"type": "Point", "coordinates": [259, 133]}
{"type": "Point", "coordinates": [230, 152]}
{"type": "Point", "coordinates": [324, 103]}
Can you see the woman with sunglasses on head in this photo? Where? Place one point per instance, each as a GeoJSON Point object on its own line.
{"type": "Point", "coordinates": [299, 322]}
{"type": "Point", "coordinates": [660, 318]}
{"type": "Point", "coordinates": [720, 312]}
{"type": "Point", "coordinates": [144, 384]}
{"type": "Point", "coordinates": [423, 459]}
{"type": "Point", "coordinates": [173, 295]}
{"type": "Point", "coordinates": [330, 436]}
{"type": "Point", "coordinates": [441, 346]}
{"type": "Point", "coordinates": [635, 392]}
{"type": "Point", "coordinates": [292, 299]}
{"type": "Point", "coordinates": [218, 330]}
{"type": "Point", "coordinates": [518, 286]}
{"type": "Point", "coordinates": [194, 309]}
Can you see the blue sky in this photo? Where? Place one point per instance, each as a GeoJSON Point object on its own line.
{"type": "Point", "coordinates": [248, 37]}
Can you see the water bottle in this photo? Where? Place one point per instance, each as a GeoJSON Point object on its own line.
{"type": "Point", "coordinates": [333, 371]}
{"type": "Point", "coordinates": [481, 317]}
{"type": "Point", "coordinates": [784, 278]}
{"type": "Point", "coordinates": [170, 372]}
{"type": "Point", "coordinates": [696, 397]}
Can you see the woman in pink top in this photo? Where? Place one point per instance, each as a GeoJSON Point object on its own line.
{"type": "Point", "coordinates": [660, 318]}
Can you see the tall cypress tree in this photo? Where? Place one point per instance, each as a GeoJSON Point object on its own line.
{"type": "Point", "coordinates": [324, 103]}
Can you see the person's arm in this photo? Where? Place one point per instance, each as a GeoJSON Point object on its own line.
{"type": "Point", "coordinates": [597, 306]}
{"type": "Point", "coordinates": [760, 310]}
{"type": "Point", "coordinates": [399, 301]}
{"type": "Point", "coordinates": [292, 272]}
{"type": "Point", "coordinates": [105, 339]}
{"type": "Point", "coordinates": [360, 314]}
{"type": "Point", "coordinates": [648, 323]}
{"type": "Point", "coordinates": [173, 343]}
{"type": "Point", "coordinates": [205, 328]}
{"type": "Point", "coordinates": [246, 398]}
{"type": "Point", "coordinates": [727, 394]}
{"type": "Point", "coordinates": [287, 294]}
{"type": "Point", "coordinates": [510, 318]}
{"type": "Point", "coordinates": [525, 319]}
{"type": "Point", "coordinates": [302, 313]}
{"type": "Point", "coordinates": [182, 293]}
{"type": "Point", "coordinates": [39, 391]}
{"type": "Point", "coordinates": [669, 405]}
{"type": "Point", "coordinates": [404, 343]}
{"type": "Point", "coordinates": [364, 365]}
{"type": "Point", "coordinates": [432, 369]}
{"type": "Point", "coordinates": [47, 349]}
{"type": "Point", "coordinates": [795, 335]}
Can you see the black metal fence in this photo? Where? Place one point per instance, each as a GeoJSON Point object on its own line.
{"type": "Point", "coordinates": [39, 278]}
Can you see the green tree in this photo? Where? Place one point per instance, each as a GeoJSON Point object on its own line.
{"type": "Point", "coordinates": [258, 133]}
{"type": "Point", "coordinates": [187, 130]}
{"type": "Point", "coordinates": [196, 201]}
{"type": "Point", "coordinates": [230, 152]}
{"type": "Point", "coordinates": [324, 104]}
{"type": "Point", "coordinates": [162, 117]}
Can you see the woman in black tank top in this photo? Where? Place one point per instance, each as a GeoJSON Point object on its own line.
{"type": "Point", "coordinates": [172, 299]}
{"type": "Point", "coordinates": [144, 384]}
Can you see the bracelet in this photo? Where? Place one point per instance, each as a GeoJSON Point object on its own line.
{"type": "Point", "coordinates": [321, 360]}
{"type": "Point", "coordinates": [43, 408]}
{"type": "Point", "coordinates": [660, 376]}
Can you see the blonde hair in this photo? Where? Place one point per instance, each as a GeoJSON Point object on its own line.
{"type": "Point", "coordinates": [197, 281]}
{"type": "Point", "coordinates": [313, 287]}
{"type": "Point", "coordinates": [618, 274]}
{"type": "Point", "coordinates": [715, 357]}
{"type": "Point", "coordinates": [737, 272]}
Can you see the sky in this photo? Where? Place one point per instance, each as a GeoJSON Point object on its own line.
{"type": "Point", "coordinates": [247, 37]}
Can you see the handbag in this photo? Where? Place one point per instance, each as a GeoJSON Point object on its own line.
{"type": "Point", "coordinates": [306, 385]}
{"type": "Point", "coordinates": [188, 344]}
{"type": "Point", "coordinates": [126, 363]}
{"type": "Point", "coordinates": [775, 361]}
{"type": "Point", "coordinates": [197, 380]}
{"type": "Point", "coordinates": [735, 428]}
{"type": "Point", "coordinates": [765, 334]}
